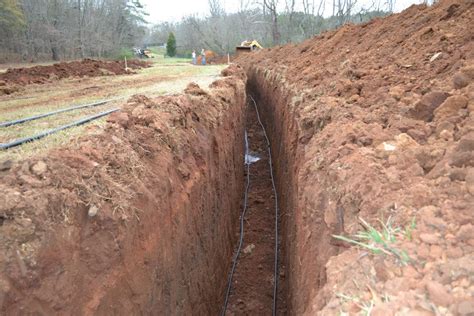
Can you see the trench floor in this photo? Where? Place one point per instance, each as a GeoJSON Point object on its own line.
{"type": "Point", "coordinates": [253, 281]}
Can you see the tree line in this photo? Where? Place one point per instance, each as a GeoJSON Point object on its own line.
{"type": "Point", "coordinates": [265, 21]}
{"type": "Point", "coordinates": [32, 30]}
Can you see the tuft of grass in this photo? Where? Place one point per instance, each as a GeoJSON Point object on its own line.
{"type": "Point", "coordinates": [409, 229]}
{"type": "Point", "coordinates": [378, 242]}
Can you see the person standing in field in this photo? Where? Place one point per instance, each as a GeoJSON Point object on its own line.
{"type": "Point", "coordinates": [203, 56]}
{"type": "Point", "coordinates": [194, 57]}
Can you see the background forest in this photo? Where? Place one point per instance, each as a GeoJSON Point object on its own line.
{"type": "Point", "coordinates": [33, 30]}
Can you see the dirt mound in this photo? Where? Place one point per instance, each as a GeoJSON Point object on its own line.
{"type": "Point", "coordinates": [210, 55]}
{"type": "Point", "coordinates": [375, 123]}
{"type": "Point", "coordinates": [137, 219]}
{"type": "Point", "coordinates": [87, 67]}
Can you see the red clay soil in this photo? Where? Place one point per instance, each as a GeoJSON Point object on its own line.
{"type": "Point", "coordinates": [15, 77]}
{"type": "Point", "coordinates": [369, 123]}
{"type": "Point", "coordinates": [139, 219]}
{"type": "Point", "coordinates": [253, 280]}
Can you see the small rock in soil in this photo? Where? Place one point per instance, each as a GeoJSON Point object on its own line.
{"type": "Point", "coordinates": [460, 80]}
{"type": "Point", "coordinates": [454, 252]}
{"type": "Point", "coordinates": [6, 165]}
{"type": "Point", "coordinates": [429, 238]}
{"type": "Point", "coordinates": [466, 143]}
{"type": "Point", "coordinates": [446, 135]}
{"type": "Point", "coordinates": [444, 125]}
{"type": "Point", "coordinates": [450, 106]}
{"type": "Point", "coordinates": [468, 71]}
{"type": "Point", "coordinates": [423, 110]}
{"type": "Point", "coordinates": [93, 211]}
{"type": "Point", "coordinates": [249, 249]}
{"type": "Point", "coordinates": [462, 159]}
{"type": "Point", "coordinates": [435, 56]}
{"type": "Point", "coordinates": [457, 174]}
{"type": "Point", "coordinates": [466, 308]}
{"type": "Point", "coordinates": [39, 168]}
{"type": "Point", "coordinates": [465, 233]}
{"type": "Point", "coordinates": [438, 293]}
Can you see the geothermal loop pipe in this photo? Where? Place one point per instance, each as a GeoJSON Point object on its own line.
{"type": "Point", "coordinates": [242, 218]}
{"type": "Point", "coordinates": [39, 116]}
{"type": "Point", "coordinates": [22, 141]}
{"type": "Point", "coordinates": [270, 163]}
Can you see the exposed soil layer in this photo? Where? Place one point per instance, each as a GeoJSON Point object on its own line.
{"type": "Point", "coordinates": [13, 79]}
{"type": "Point", "coordinates": [253, 280]}
{"type": "Point", "coordinates": [137, 220]}
{"type": "Point", "coordinates": [370, 123]}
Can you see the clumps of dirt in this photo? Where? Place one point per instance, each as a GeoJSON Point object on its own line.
{"type": "Point", "coordinates": [14, 78]}
{"type": "Point", "coordinates": [136, 219]}
{"type": "Point", "coordinates": [374, 125]}
{"type": "Point", "coordinates": [8, 89]}
{"type": "Point", "coordinates": [232, 70]}
{"type": "Point", "coordinates": [194, 89]}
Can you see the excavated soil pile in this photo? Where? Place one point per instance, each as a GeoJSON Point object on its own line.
{"type": "Point", "coordinates": [374, 125]}
{"type": "Point", "coordinates": [140, 219]}
{"type": "Point", "coordinates": [210, 56]}
{"type": "Point", "coordinates": [12, 78]}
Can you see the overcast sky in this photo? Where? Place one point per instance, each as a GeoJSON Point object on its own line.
{"type": "Point", "coordinates": [174, 10]}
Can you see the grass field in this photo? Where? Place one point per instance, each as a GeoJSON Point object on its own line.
{"type": "Point", "coordinates": [166, 76]}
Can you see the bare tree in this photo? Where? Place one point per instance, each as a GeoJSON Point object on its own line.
{"type": "Point", "coordinates": [59, 29]}
{"type": "Point", "coordinates": [215, 8]}
{"type": "Point", "coordinates": [390, 5]}
{"type": "Point", "coordinates": [62, 29]}
{"type": "Point", "coordinates": [342, 9]}
{"type": "Point", "coordinates": [271, 5]}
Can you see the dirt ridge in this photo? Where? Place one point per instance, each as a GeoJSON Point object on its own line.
{"type": "Point", "coordinates": [15, 78]}
{"type": "Point", "coordinates": [373, 122]}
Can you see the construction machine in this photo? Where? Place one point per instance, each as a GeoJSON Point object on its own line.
{"type": "Point", "coordinates": [248, 46]}
{"type": "Point", "coordinates": [143, 53]}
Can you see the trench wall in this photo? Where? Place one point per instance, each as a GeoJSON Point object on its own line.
{"type": "Point", "coordinates": [139, 219]}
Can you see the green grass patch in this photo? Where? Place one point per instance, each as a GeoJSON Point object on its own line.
{"type": "Point", "coordinates": [158, 50]}
{"type": "Point", "coordinates": [380, 241]}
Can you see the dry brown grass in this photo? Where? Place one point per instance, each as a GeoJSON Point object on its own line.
{"type": "Point", "coordinates": [165, 77]}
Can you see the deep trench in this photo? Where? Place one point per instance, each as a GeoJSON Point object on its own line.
{"type": "Point", "coordinates": [253, 279]}
{"type": "Point", "coordinates": [177, 256]}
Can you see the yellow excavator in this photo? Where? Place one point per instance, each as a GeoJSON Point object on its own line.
{"type": "Point", "coordinates": [248, 46]}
